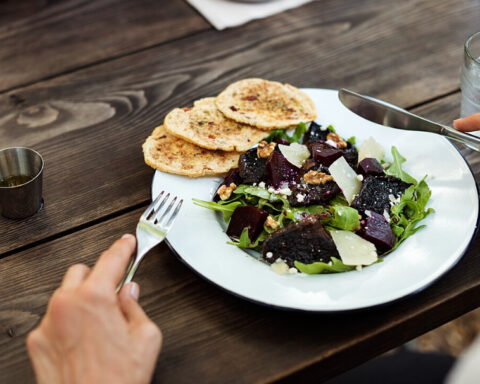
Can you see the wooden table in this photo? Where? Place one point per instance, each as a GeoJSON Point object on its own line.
{"type": "Point", "coordinates": [85, 82]}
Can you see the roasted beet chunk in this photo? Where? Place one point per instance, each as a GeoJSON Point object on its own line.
{"type": "Point", "coordinates": [246, 217]}
{"type": "Point", "coordinates": [351, 155]}
{"type": "Point", "coordinates": [306, 241]}
{"type": "Point", "coordinates": [315, 133]}
{"type": "Point", "coordinates": [370, 166]}
{"type": "Point", "coordinates": [306, 194]}
{"type": "Point", "coordinates": [375, 192]}
{"type": "Point", "coordinates": [377, 231]}
{"type": "Point", "coordinates": [324, 154]}
{"type": "Point", "coordinates": [232, 177]}
{"type": "Point", "coordinates": [280, 170]}
{"type": "Point", "coordinates": [251, 168]}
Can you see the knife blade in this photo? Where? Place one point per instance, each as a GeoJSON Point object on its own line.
{"type": "Point", "coordinates": [390, 115]}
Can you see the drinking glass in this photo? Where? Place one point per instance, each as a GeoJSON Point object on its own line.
{"type": "Point", "coordinates": [471, 76]}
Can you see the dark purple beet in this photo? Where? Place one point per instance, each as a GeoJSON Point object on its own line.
{"type": "Point", "coordinates": [370, 166]}
{"type": "Point", "coordinates": [281, 141]}
{"type": "Point", "coordinates": [246, 217]}
{"type": "Point", "coordinates": [324, 154]}
{"type": "Point", "coordinates": [232, 177]}
{"type": "Point", "coordinates": [377, 231]}
{"type": "Point", "coordinates": [315, 133]}
{"type": "Point", "coordinates": [280, 170]}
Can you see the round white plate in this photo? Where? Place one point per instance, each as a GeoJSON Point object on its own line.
{"type": "Point", "coordinates": [200, 241]}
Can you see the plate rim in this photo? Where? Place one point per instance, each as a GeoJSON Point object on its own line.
{"type": "Point", "coordinates": [346, 310]}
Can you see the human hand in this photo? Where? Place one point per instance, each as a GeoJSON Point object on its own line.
{"type": "Point", "coordinates": [468, 124]}
{"type": "Point", "coordinates": [92, 335]}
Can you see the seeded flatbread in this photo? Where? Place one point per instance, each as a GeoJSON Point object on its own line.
{"type": "Point", "coordinates": [204, 125]}
{"type": "Point", "coordinates": [170, 154]}
{"type": "Point", "coordinates": [266, 104]}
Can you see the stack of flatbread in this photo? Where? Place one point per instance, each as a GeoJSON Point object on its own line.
{"type": "Point", "coordinates": [208, 138]}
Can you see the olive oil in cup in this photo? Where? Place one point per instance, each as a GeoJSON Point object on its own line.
{"type": "Point", "coordinates": [21, 173]}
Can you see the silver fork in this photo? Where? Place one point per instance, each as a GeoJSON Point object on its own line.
{"type": "Point", "coordinates": [152, 228]}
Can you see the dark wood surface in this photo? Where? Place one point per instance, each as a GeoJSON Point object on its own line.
{"type": "Point", "coordinates": [87, 97]}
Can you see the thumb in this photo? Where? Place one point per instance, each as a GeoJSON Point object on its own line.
{"type": "Point", "coordinates": [128, 298]}
{"type": "Point", "coordinates": [468, 124]}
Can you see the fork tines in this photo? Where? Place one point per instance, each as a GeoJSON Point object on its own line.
{"type": "Point", "coordinates": [159, 212]}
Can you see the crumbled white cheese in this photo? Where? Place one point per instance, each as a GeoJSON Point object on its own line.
{"type": "Point", "coordinates": [293, 271]}
{"type": "Point", "coordinates": [261, 184]}
{"type": "Point", "coordinates": [386, 215]}
{"type": "Point", "coordinates": [323, 128]}
{"type": "Point", "coordinates": [300, 197]}
{"type": "Point", "coordinates": [271, 190]}
{"type": "Point", "coordinates": [269, 255]}
{"type": "Point", "coordinates": [360, 177]}
{"type": "Point", "coordinates": [332, 143]}
{"type": "Point", "coordinates": [284, 191]}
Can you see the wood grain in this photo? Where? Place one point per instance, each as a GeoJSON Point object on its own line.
{"type": "Point", "coordinates": [90, 124]}
{"type": "Point", "coordinates": [40, 39]}
{"type": "Point", "coordinates": [211, 336]}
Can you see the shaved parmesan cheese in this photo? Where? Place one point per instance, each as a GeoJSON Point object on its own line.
{"type": "Point", "coordinates": [346, 178]}
{"type": "Point", "coordinates": [353, 249]}
{"type": "Point", "coordinates": [295, 153]}
{"type": "Point", "coordinates": [370, 148]}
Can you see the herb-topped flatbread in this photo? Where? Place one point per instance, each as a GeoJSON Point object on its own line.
{"type": "Point", "coordinates": [170, 154]}
{"type": "Point", "coordinates": [265, 104]}
{"type": "Point", "coordinates": [204, 125]}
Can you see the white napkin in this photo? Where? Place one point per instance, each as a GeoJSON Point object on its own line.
{"type": "Point", "coordinates": [224, 13]}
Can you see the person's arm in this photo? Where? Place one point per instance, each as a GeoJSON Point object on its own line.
{"type": "Point", "coordinates": [468, 124]}
{"type": "Point", "coordinates": [92, 335]}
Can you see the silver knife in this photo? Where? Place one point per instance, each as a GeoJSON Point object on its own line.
{"type": "Point", "coordinates": [390, 115]}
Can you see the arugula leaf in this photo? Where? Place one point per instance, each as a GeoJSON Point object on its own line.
{"type": "Point", "coordinates": [338, 200]}
{"type": "Point", "coordinates": [245, 242]}
{"type": "Point", "coordinates": [345, 218]}
{"type": "Point", "coordinates": [299, 132]}
{"type": "Point", "coordinates": [411, 209]}
{"type": "Point", "coordinates": [282, 134]}
{"type": "Point", "coordinates": [226, 209]}
{"type": "Point", "coordinates": [331, 129]}
{"type": "Point", "coordinates": [352, 140]}
{"type": "Point", "coordinates": [319, 267]}
{"type": "Point", "coordinates": [396, 170]}
{"type": "Point", "coordinates": [245, 189]}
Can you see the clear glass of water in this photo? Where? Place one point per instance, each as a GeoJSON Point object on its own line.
{"type": "Point", "coordinates": [471, 76]}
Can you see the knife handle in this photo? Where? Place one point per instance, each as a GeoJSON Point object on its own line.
{"type": "Point", "coordinates": [470, 141]}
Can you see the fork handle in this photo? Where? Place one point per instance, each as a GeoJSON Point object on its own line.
{"type": "Point", "coordinates": [131, 269]}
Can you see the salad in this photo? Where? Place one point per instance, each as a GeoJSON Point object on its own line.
{"type": "Point", "coordinates": [314, 203]}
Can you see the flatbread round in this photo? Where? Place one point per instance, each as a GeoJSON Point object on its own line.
{"type": "Point", "coordinates": [266, 104]}
{"type": "Point", "coordinates": [170, 154]}
{"type": "Point", "coordinates": [205, 126]}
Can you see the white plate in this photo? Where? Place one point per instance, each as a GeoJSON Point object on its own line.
{"type": "Point", "coordinates": [199, 240]}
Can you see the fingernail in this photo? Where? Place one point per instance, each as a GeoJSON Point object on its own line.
{"type": "Point", "coordinates": [127, 236]}
{"type": "Point", "coordinates": [134, 290]}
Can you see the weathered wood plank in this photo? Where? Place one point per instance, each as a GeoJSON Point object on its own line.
{"type": "Point", "coordinates": [211, 336]}
{"type": "Point", "coordinates": [90, 124]}
{"type": "Point", "coordinates": [41, 39]}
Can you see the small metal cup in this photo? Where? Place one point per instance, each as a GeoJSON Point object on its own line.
{"type": "Point", "coordinates": [22, 200]}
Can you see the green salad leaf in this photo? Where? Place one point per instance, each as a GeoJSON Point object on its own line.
{"type": "Point", "coordinates": [352, 140]}
{"type": "Point", "coordinates": [245, 242]}
{"type": "Point", "coordinates": [396, 170]}
{"type": "Point", "coordinates": [282, 134]}
{"type": "Point", "coordinates": [345, 218]}
{"type": "Point", "coordinates": [411, 209]}
{"type": "Point", "coordinates": [319, 267]}
{"type": "Point", "coordinates": [226, 209]}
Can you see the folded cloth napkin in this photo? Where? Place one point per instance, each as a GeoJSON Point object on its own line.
{"type": "Point", "coordinates": [226, 13]}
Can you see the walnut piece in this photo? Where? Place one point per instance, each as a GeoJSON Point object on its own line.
{"type": "Point", "coordinates": [317, 178]}
{"type": "Point", "coordinates": [271, 222]}
{"type": "Point", "coordinates": [265, 149]}
{"type": "Point", "coordinates": [225, 192]}
{"type": "Point", "coordinates": [337, 139]}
